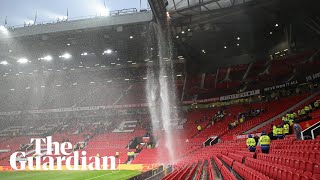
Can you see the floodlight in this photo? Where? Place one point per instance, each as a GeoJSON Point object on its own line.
{"type": "Point", "coordinates": [65, 56]}
{"type": "Point", "coordinates": [23, 60]}
{"type": "Point", "coordinates": [4, 30]}
{"type": "Point", "coordinates": [108, 51]}
{"type": "Point", "coordinates": [47, 58]}
{"type": "Point", "coordinates": [4, 63]}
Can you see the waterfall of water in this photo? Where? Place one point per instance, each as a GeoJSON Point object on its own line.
{"type": "Point", "coordinates": [160, 88]}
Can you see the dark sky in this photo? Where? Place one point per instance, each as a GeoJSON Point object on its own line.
{"type": "Point", "coordinates": [20, 11]}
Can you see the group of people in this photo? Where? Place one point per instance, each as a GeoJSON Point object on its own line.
{"type": "Point", "coordinates": [263, 141]}
{"type": "Point", "coordinates": [236, 122]}
{"type": "Point", "coordinates": [242, 117]}
{"type": "Point", "coordinates": [289, 124]}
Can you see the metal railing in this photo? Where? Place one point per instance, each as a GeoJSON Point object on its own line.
{"type": "Point", "coordinates": [315, 132]}
{"type": "Point", "coordinates": [66, 19]}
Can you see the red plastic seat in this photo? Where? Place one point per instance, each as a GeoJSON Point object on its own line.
{"type": "Point", "coordinates": [302, 165]}
{"type": "Point", "coordinates": [296, 164]}
{"type": "Point", "coordinates": [304, 178]}
{"type": "Point", "coordinates": [289, 175]}
{"type": "Point", "coordinates": [308, 174]}
{"type": "Point", "coordinates": [296, 176]}
{"type": "Point", "coordinates": [316, 168]}
{"type": "Point", "coordinates": [311, 155]}
{"type": "Point", "coordinates": [316, 176]}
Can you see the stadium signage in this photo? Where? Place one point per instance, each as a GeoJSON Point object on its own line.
{"type": "Point", "coordinates": [62, 154]}
{"type": "Point", "coordinates": [281, 86]}
{"type": "Point", "coordinates": [312, 77]}
{"type": "Point", "coordinates": [240, 95]}
{"type": "Point", "coordinates": [216, 99]}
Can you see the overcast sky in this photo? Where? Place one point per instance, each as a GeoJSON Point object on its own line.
{"type": "Point", "coordinates": [20, 11]}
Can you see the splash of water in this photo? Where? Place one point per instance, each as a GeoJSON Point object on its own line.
{"type": "Point", "coordinates": [161, 92]}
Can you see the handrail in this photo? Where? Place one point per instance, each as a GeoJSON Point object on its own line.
{"type": "Point", "coordinates": [67, 19]}
{"type": "Point", "coordinates": [312, 133]}
{"type": "Point", "coordinates": [314, 125]}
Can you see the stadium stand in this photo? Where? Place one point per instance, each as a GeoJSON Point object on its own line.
{"type": "Point", "coordinates": [173, 93]}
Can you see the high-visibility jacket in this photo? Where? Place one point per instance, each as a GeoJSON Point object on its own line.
{"type": "Point", "coordinates": [284, 119]}
{"type": "Point", "coordinates": [286, 129]}
{"type": "Point", "coordinates": [279, 131]}
{"type": "Point", "coordinates": [303, 112]}
{"type": "Point", "coordinates": [264, 140]}
{"type": "Point", "coordinates": [274, 130]}
{"type": "Point", "coordinates": [251, 142]}
{"type": "Point", "coordinates": [291, 116]}
{"type": "Point", "coordinates": [199, 128]}
{"type": "Point", "coordinates": [128, 153]}
{"type": "Point", "coordinates": [307, 108]}
{"type": "Point", "coordinates": [316, 104]}
{"type": "Point", "coordinates": [241, 120]}
{"type": "Point", "coordinates": [294, 115]}
{"type": "Point", "coordinates": [291, 122]}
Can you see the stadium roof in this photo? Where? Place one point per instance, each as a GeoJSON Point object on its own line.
{"type": "Point", "coordinates": [183, 8]}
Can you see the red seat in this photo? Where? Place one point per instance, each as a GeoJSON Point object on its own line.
{"type": "Point", "coordinates": [309, 166]}
{"type": "Point", "coordinates": [311, 155]}
{"type": "Point", "coordinates": [296, 164]}
{"type": "Point", "coordinates": [316, 176]}
{"type": "Point", "coordinates": [279, 174]}
{"type": "Point", "coordinates": [317, 156]}
{"type": "Point", "coordinates": [308, 174]}
{"type": "Point", "coordinates": [304, 178]}
{"type": "Point", "coordinates": [289, 175]}
{"type": "Point", "coordinates": [296, 176]}
{"type": "Point", "coordinates": [316, 168]}
{"type": "Point", "coordinates": [302, 165]}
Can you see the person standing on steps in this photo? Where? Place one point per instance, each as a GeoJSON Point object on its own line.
{"type": "Point", "coordinates": [264, 142]}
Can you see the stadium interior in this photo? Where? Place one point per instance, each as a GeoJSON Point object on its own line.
{"type": "Point", "coordinates": [174, 91]}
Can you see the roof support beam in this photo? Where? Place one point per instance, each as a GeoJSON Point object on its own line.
{"type": "Point", "coordinates": [196, 6]}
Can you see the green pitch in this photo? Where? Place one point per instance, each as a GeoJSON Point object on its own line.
{"type": "Point", "coordinates": [67, 175]}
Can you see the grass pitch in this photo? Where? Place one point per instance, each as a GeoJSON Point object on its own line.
{"type": "Point", "coordinates": [67, 175]}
